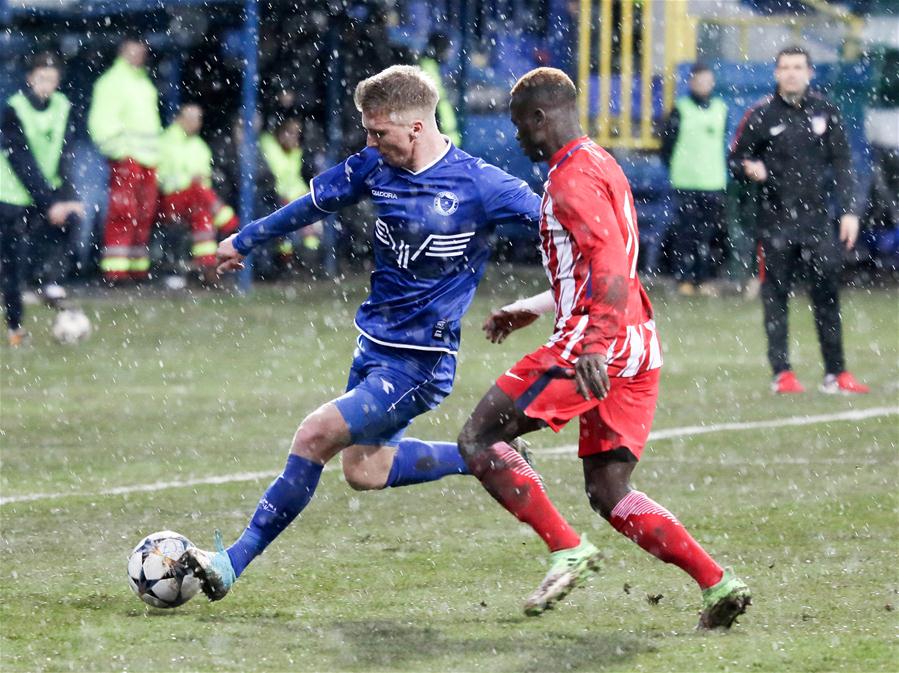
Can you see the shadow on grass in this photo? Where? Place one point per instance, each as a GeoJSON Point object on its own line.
{"type": "Point", "coordinates": [384, 644]}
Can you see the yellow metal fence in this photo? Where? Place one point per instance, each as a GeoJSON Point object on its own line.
{"type": "Point", "coordinates": [604, 41]}
{"type": "Point", "coordinates": [608, 31]}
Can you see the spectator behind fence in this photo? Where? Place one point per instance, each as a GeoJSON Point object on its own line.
{"type": "Point", "coordinates": [435, 55]}
{"type": "Point", "coordinates": [282, 153]}
{"type": "Point", "coordinates": [124, 123]}
{"type": "Point", "coordinates": [790, 143]}
{"type": "Point", "coordinates": [227, 171]}
{"type": "Point", "coordinates": [693, 148]}
{"type": "Point", "coordinates": [37, 201]}
{"type": "Point", "coordinates": [185, 181]}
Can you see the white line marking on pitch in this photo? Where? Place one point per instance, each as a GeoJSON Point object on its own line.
{"type": "Point", "coordinates": [690, 430]}
{"type": "Point", "coordinates": [671, 433]}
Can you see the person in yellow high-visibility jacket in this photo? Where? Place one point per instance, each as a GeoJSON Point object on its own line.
{"type": "Point", "coordinates": [284, 158]}
{"type": "Point", "coordinates": [435, 54]}
{"type": "Point", "coordinates": [124, 123]}
{"type": "Point", "coordinates": [185, 178]}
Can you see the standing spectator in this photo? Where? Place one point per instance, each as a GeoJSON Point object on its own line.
{"type": "Point", "coordinates": [436, 54]}
{"type": "Point", "coordinates": [124, 123]}
{"type": "Point", "coordinates": [185, 178]}
{"type": "Point", "coordinates": [693, 149]}
{"type": "Point", "coordinates": [791, 143]}
{"type": "Point", "coordinates": [36, 194]}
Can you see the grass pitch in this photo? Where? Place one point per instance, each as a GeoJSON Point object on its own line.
{"type": "Point", "coordinates": [431, 578]}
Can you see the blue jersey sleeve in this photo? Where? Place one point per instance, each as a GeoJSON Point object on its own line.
{"type": "Point", "coordinates": [507, 199]}
{"type": "Point", "coordinates": [339, 186]}
{"type": "Point", "coordinates": [346, 183]}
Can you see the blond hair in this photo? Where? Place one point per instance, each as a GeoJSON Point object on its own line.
{"type": "Point", "coordinates": [547, 86]}
{"type": "Point", "coordinates": [398, 89]}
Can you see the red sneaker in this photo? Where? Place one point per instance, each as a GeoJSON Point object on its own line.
{"type": "Point", "coordinates": [843, 383]}
{"type": "Point", "coordinates": [786, 383]}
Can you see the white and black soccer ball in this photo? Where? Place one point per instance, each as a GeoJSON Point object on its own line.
{"type": "Point", "coordinates": [71, 326]}
{"type": "Point", "coordinates": [156, 574]}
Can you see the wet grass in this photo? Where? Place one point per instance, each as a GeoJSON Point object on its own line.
{"type": "Point", "coordinates": [431, 578]}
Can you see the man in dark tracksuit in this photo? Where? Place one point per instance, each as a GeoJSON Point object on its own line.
{"type": "Point", "coordinates": [793, 144]}
{"type": "Point", "coordinates": [36, 197]}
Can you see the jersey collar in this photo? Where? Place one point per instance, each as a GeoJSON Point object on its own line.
{"type": "Point", "coordinates": [570, 148]}
{"type": "Point", "coordinates": [449, 146]}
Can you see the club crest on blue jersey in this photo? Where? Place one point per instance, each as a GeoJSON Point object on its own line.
{"type": "Point", "coordinates": [446, 203]}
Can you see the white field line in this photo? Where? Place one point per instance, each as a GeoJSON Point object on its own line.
{"type": "Point", "coordinates": [569, 449]}
{"type": "Point", "coordinates": [692, 430]}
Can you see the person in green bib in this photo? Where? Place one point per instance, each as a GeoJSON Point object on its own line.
{"type": "Point", "coordinates": [37, 201]}
{"type": "Point", "coordinates": [283, 155]}
{"type": "Point", "coordinates": [124, 123]}
{"type": "Point", "coordinates": [436, 53]}
{"type": "Point", "coordinates": [693, 149]}
{"type": "Point", "coordinates": [185, 181]}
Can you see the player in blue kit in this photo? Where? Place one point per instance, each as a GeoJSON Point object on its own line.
{"type": "Point", "coordinates": [436, 209]}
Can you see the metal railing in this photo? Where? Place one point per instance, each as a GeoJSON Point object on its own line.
{"type": "Point", "coordinates": [653, 60]}
{"type": "Point", "coordinates": [799, 26]}
{"type": "Point", "coordinates": [605, 40]}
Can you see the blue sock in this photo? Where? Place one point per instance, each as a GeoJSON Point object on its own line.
{"type": "Point", "coordinates": [417, 462]}
{"type": "Point", "coordinates": [287, 496]}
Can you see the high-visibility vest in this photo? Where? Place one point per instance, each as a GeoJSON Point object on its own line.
{"type": "Point", "coordinates": [45, 132]}
{"type": "Point", "coordinates": [286, 166]}
{"type": "Point", "coordinates": [698, 162]}
{"type": "Point", "coordinates": [182, 160]}
{"type": "Point", "coordinates": [124, 115]}
{"type": "Point", "coordinates": [446, 113]}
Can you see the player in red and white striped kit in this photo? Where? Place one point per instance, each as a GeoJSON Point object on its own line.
{"type": "Point", "coordinates": [601, 365]}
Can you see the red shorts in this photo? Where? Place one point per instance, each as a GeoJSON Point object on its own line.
{"type": "Point", "coordinates": [542, 386]}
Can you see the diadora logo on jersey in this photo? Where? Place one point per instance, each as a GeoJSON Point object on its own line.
{"type": "Point", "coordinates": [777, 130]}
{"type": "Point", "coordinates": [383, 195]}
{"type": "Point", "coordinates": [446, 203]}
{"type": "Point", "coordinates": [435, 245]}
{"type": "Point", "coordinates": [386, 386]}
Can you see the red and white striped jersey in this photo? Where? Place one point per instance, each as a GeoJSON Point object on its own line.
{"type": "Point", "coordinates": [590, 243]}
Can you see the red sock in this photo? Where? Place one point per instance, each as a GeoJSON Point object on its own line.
{"type": "Point", "coordinates": [657, 530]}
{"type": "Point", "coordinates": [515, 486]}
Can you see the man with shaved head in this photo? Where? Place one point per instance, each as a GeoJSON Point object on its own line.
{"type": "Point", "coordinates": [601, 364]}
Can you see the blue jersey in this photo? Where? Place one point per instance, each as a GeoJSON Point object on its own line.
{"type": "Point", "coordinates": [431, 238]}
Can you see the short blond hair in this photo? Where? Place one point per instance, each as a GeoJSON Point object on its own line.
{"type": "Point", "coordinates": [546, 86]}
{"type": "Point", "coordinates": [398, 89]}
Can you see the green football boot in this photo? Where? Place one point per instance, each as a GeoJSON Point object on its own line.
{"type": "Point", "coordinates": [724, 602]}
{"type": "Point", "coordinates": [568, 569]}
{"type": "Point", "coordinates": [213, 569]}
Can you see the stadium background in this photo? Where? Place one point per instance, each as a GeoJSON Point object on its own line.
{"type": "Point", "coordinates": [317, 50]}
{"type": "Point", "coordinates": [178, 410]}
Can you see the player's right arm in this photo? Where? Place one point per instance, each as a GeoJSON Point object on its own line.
{"type": "Point", "coordinates": [339, 186]}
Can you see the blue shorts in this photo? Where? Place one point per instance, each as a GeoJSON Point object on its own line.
{"type": "Point", "coordinates": [388, 387]}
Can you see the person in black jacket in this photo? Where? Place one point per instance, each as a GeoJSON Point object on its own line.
{"type": "Point", "coordinates": [37, 201]}
{"type": "Point", "coordinates": [794, 146]}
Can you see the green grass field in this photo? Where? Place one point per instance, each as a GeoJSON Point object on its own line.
{"type": "Point", "coordinates": [432, 578]}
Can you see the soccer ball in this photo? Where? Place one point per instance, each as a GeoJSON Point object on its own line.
{"type": "Point", "coordinates": [71, 326]}
{"type": "Point", "coordinates": [156, 574]}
